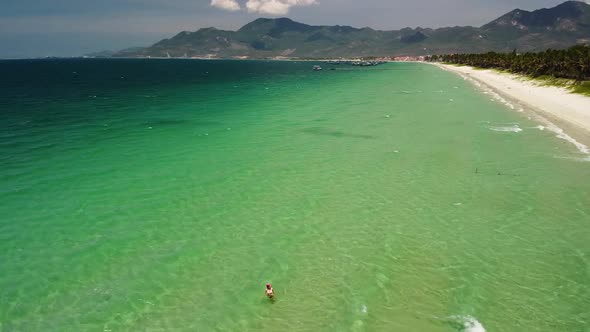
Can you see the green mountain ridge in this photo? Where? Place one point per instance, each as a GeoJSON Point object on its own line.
{"type": "Point", "coordinates": [562, 26]}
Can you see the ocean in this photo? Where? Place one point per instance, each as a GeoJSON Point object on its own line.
{"type": "Point", "coordinates": [162, 195]}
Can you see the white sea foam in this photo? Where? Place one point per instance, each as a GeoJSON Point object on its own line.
{"type": "Point", "coordinates": [580, 159]}
{"type": "Point", "coordinates": [561, 134]}
{"type": "Point", "coordinates": [488, 91]}
{"type": "Point", "coordinates": [548, 125]}
{"type": "Point", "coordinates": [470, 324]}
{"type": "Point", "coordinates": [511, 128]}
{"type": "Point", "coordinates": [501, 99]}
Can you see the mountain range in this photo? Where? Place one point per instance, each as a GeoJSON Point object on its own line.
{"type": "Point", "coordinates": [562, 26]}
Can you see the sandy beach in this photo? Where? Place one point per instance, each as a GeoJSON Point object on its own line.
{"type": "Point", "coordinates": [553, 106]}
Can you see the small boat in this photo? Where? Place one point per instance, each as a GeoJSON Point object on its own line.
{"type": "Point", "coordinates": [317, 68]}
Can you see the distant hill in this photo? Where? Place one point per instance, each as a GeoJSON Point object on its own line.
{"type": "Point", "coordinates": [101, 54]}
{"type": "Point", "coordinates": [558, 27]}
{"type": "Point", "coordinates": [109, 53]}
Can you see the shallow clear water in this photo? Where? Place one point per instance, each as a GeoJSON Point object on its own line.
{"type": "Point", "coordinates": [162, 195]}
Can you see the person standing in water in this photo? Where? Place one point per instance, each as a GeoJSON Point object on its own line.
{"type": "Point", "coordinates": [269, 291]}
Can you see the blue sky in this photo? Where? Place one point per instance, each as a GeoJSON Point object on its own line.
{"type": "Point", "coordinates": [32, 28]}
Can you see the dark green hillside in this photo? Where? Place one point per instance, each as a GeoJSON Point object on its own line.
{"type": "Point", "coordinates": [560, 27]}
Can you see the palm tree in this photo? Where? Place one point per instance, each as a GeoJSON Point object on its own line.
{"type": "Point", "coordinates": [573, 63]}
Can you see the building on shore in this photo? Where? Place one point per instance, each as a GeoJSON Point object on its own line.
{"type": "Point", "coordinates": [409, 58]}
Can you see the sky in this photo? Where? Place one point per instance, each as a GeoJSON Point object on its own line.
{"type": "Point", "coordinates": [38, 28]}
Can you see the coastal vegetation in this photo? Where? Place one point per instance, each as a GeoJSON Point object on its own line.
{"type": "Point", "coordinates": [572, 63]}
{"type": "Point", "coordinates": [568, 68]}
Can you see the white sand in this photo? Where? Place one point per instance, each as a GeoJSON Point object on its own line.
{"type": "Point", "coordinates": [572, 111]}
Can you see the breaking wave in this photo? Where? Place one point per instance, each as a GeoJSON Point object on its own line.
{"type": "Point", "coordinates": [561, 134]}
{"type": "Point", "coordinates": [468, 323]}
{"type": "Point", "coordinates": [512, 128]}
{"type": "Point", "coordinates": [547, 125]}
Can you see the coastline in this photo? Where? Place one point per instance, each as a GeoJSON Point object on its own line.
{"type": "Point", "coordinates": [556, 108]}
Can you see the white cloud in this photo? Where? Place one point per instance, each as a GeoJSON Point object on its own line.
{"type": "Point", "coordinates": [268, 7]}
{"type": "Point", "coordinates": [231, 5]}
{"type": "Point", "coordinates": [276, 7]}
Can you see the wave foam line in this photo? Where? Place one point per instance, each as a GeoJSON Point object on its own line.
{"type": "Point", "coordinates": [496, 96]}
{"type": "Point", "coordinates": [550, 125]}
{"type": "Point", "coordinates": [512, 129]}
{"type": "Point", "coordinates": [561, 134]}
{"type": "Point", "coordinates": [470, 324]}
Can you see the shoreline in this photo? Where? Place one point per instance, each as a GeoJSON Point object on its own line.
{"type": "Point", "coordinates": [565, 113]}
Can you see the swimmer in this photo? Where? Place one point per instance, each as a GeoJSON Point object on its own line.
{"type": "Point", "coordinates": [269, 291]}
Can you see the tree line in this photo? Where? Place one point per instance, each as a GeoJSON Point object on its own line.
{"type": "Point", "coordinates": [572, 63]}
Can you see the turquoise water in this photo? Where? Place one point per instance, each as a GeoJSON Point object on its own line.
{"type": "Point", "coordinates": [162, 195]}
